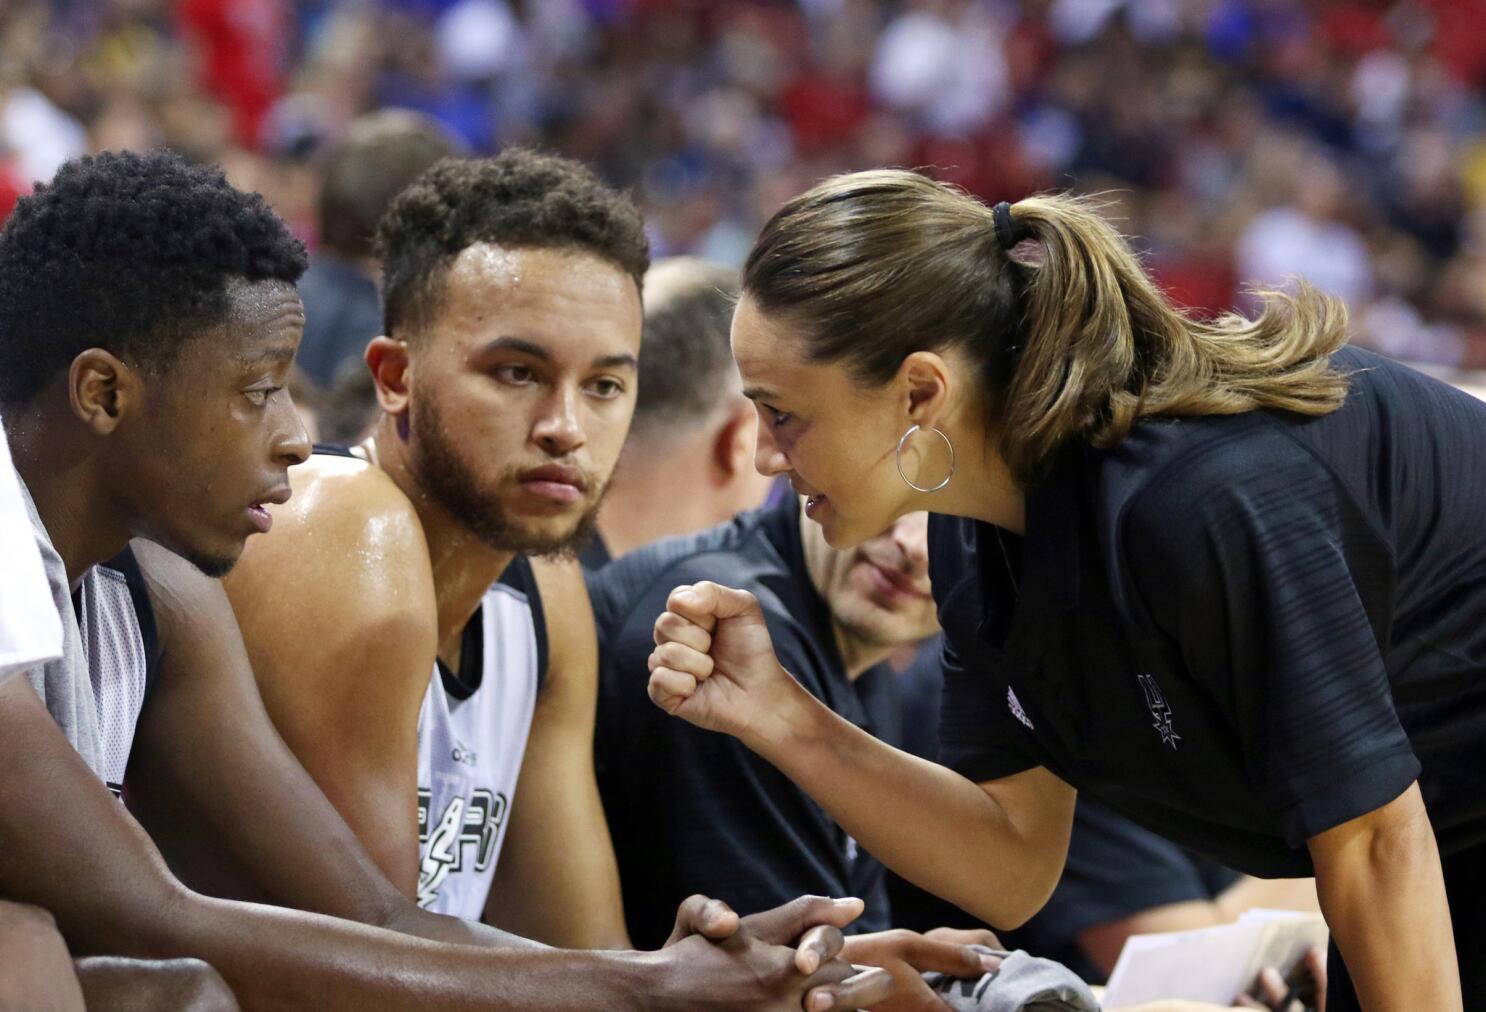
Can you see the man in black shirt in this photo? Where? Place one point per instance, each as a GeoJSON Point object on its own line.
{"type": "Point", "coordinates": [689, 808]}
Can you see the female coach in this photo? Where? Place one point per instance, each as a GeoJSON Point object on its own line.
{"type": "Point", "coordinates": [1228, 577]}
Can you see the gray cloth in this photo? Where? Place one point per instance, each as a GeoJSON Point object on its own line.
{"type": "Point", "coordinates": [1023, 983]}
{"type": "Point", "coordinates": [64, 684]}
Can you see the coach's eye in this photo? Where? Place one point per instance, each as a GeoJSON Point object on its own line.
{"type": "Point", "coordinates": [777, 418]}
{"type": "Point", "coordinates": [516, 375]}
{"type": "Point", "coordinates": [258, 397]}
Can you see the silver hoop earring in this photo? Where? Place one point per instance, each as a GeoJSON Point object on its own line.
{"type": "Point", "coordinates": [904, 442]}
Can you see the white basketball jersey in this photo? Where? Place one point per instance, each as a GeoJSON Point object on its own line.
{"type": "Point", "coordinates": [117, 628]}
{"type": "Point", "coordinates": [472, 733]}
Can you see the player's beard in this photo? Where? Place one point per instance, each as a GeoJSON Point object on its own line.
{"type": "Point", "coordinates": [444, 475]}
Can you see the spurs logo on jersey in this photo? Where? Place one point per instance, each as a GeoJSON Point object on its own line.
{"type": "Point", "coordinates": [472, 730]}
{"type": "Point", "coordinates": [471, 738]}
{"type": "Point", "coordinates": [463, 837]}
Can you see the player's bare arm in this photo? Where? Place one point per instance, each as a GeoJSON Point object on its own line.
{"type": "Point", "coordinates": [73, 849]}
{"type": "Point", "coordinates": [337, 610]}
{"type": "Point", "coordinates": [557, 880]}
{"type": "Point", "coordinates": [160, 985]}
{"type": "Point", "coordinates": [35, 969]}
{"type": "Point", "coordinates": [225, 815]}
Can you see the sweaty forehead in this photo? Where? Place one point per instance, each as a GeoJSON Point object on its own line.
{"type": "Point", "coordinates": [492, 290]}
{"type": "Point", "coordinates": [265, 310]}
{"type": "Point", "coordinates": [265, 319]}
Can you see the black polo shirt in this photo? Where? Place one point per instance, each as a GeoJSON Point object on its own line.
{"type": "Point", "coordinates": [1239, 631]}
{"type": "Point", "coordinates": [695, 811]}
{"type": "Point", "coordinates": [1114, 870]}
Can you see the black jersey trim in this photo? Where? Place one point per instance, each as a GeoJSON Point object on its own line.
{"type": "Point", "coordinates": [519, 576]}
{"type": "Point", "coordinates": [336, 450]}
{"type": "Point", "coordinates": [463, 684]}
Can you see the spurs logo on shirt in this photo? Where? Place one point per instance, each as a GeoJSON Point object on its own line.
{"type": "Point", "coordinates": [464, 837]}
{"type": "Point", "coordinates": [471, 738]}
{"type": "Point", "coordinates": [1015, 706]}
{"type": "Point", "coordinates": [1157, 704]}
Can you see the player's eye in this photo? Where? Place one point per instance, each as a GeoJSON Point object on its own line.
{"type": "Point", "coordinates": [607, 387]}
{"type": "Point", "coordinates": [516, 375]}
{"type": "Point", "coordinates": [258, 396]}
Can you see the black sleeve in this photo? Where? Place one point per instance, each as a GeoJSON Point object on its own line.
{"type": "Point", "coordinates": [979, 737]}
{"type": "Point", "coordinates": [1260, 569]}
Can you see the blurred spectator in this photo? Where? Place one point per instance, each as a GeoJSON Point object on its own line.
{"type": "Point", "coordinates": [241, 47]}
{"type": "Point", "coordinates": [377, 158]}
{"type": "Point", "coordinates": [349, 407]}
{"type": "Point", "coordinates": [1305, 238]}
{"type": "Point", "coordinates": [941, 61]}
{"type": "Point", "coordinates": [1242, 140]}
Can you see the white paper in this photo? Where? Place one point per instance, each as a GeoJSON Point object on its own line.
{"type": "Point", "coordinates": [1211, 964]}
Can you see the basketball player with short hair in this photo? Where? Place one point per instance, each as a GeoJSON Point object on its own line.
{"type": "Point", "coordinates": [506, 382]}
{"type": "Point", "coordinates": [148, 320]}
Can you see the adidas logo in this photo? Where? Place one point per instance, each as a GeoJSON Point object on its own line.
{"type": "Point", "coordinates": [1016, 708]}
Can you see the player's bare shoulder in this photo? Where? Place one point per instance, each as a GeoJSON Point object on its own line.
{"type": "Point", "coordinates": [348, 540]}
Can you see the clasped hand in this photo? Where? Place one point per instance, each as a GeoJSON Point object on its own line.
{"type": "Point", "coordinates": [825, 968]}
{"type": "Point", "coordinates": [779, 960]}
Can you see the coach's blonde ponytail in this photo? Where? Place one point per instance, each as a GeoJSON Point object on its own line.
{"type": "Point", "coordinates": [1102, 347]}
{"type": "Point", "coordinates": [1073, 339]}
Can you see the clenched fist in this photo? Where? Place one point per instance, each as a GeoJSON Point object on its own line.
{"type": "Point", "coordinates": [714, 664]}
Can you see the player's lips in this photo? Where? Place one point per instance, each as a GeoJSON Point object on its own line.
{"type": "Point", "coordinates": [258, 513]}
{"type": "Point", "coordinates": [556, 482]}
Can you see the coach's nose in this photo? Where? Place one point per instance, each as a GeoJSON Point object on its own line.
{"type": "Point", "coordinates": [768, 458]}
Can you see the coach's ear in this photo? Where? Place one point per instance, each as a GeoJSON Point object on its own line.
{"type": "Point", "coordinates": [101, 389]}
{"type": "Point", "coordinates": [388, 360]}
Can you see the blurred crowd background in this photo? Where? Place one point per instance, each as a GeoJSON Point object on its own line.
{"type": "Point", "coordinates": [1239, 142]}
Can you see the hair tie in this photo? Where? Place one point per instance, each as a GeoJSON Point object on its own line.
{"type": "Point", "coordinates": [1007, 233]}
